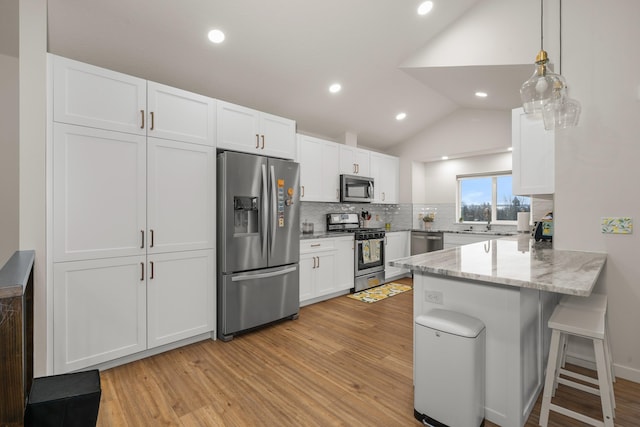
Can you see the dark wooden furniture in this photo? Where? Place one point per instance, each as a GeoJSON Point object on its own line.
{"type": "Point", "coordinates": [16, 336]}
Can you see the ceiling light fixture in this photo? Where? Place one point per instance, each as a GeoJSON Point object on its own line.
{"type": "Point", "coordinates": [335, 88]}
{"type": "Point", "coordinates": [482, 94]}
{"type": "Point", "coordinates": [425, 7]}
{"type": "Point", "coordinates": [545, 93]}
{"type": "Point", "coordinates": [216, 36]}
{"type": "Point", "coordinates": [401, 116]}
{"type": "Point", "coordinates": [445, 157]}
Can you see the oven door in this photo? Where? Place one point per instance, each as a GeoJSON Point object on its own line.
{"type": "Point", "coordinates": [369, 256]}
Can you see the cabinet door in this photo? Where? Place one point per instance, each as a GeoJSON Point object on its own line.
{"type": "Point", "coordinates": [397, 247]}
{"type": "Point", "coordinates": [180, 115]}
{"type": "Point", "coordinates": [277, 136]}
{"type": "Point", "coordinates": [180, 296]}
{"type": "Point", "coordinates": [344, 264]}
{"type": "Point", "coordinates": [100, 311]}
{"type": "Point", "coordinates": [330, 172]}
{"type": "Point", "coordinates": [307, 276]}
{"type": "Point", "coordinates": [99, 193]}
{"type": "Point", "coordinates": [354, 161]}
{"type": "Point", "coordinates": [385, 172]}
{"type": "Point", "coordinates": [533, 155]}
{"type": "Point", "coordinates": [311, 175]}
{"type": "Point", "coordinates": [238, 128]}
{"type": "Point", "coordinates": [326, 273]}
{"type": "Point", "coordinates": [181, 196]}
{"type": "Point", "coordinates": [91, 96]}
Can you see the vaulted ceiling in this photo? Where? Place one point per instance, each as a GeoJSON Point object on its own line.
{"type": "Point", "coordinates": [280, 56]}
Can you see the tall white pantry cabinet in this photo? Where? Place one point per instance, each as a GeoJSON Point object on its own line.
{"type": "Point", "coordinates": [132, 214]}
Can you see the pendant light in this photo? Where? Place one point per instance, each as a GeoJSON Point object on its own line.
{"type": "Point", "coordinates": [560, 111]}
{"type": "Point", "coordinates": [540, 86]}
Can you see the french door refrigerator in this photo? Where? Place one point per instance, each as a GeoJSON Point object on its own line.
{"type": "Point", "coordinates": [258, 236]}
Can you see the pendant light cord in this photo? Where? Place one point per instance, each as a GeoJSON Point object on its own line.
{"type": "Point", "coordinates": [560, 37]}
{"type": "Point", "coordinates": [541, 24]}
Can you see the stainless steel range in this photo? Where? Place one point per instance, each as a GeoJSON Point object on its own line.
{"type": "Point", "coordinates": [368, 252]}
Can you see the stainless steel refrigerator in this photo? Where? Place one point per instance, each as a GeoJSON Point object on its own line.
{"type": "Point", "coordinates": [258, 241]}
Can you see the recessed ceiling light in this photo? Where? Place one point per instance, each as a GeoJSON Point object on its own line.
{"type": "Point", "coordinates": [510, 149]}
{"type": "Point", "coordinates": [401, 116]}
{"type": "Point", "coordinates": [481, 94]}
{"type": "Point", "coordinates": [216, 36]}
{"type": "Point", "coordinates": [445, 157]}
{"type": "Point", "coordinates": [335, 88]}
{"type": "Point", "coordinates": [425, 7]}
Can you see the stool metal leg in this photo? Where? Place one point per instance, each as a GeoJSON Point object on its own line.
{"type": "Point", "coordinates": [550, 379]}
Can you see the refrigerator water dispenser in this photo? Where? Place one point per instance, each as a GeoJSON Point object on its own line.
{"type": "Point", "coordinates": [246, 215]}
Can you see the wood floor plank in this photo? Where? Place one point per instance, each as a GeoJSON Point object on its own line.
{"type": "Point", "coordinates": [342, 363]}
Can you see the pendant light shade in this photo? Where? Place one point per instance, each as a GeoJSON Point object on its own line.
{"type": "Point", "coordinates": [545, 93]}
{"type": "Point", "coordinates": [561, 111]}
{"type": "Point", "coordinates": [539, 88]}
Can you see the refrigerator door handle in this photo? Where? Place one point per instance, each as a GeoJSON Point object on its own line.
{"type": "Point", "coordinates": [265, 207]}
{"type": "Point", "coordinates": [263, 275]}
{"type": "Point", "coordinates": [274, 209]}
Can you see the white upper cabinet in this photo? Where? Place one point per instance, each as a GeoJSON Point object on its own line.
{"type": "Point", "coordinates": [385, 171]}
{"type": "Point", "coordinates": [91, 96]}
{"type": "Point", "coordinates": [533, 155]}
{"type": "Point", "coordinates": [180, 196]}
{"type": "Point", "coordinates": [243, 129]}
{"type": "Point", "coordinates": [99, 193]}
{"type": "Point", "coordinates": [319, 169]}
{"type": "Point", "coordinates": [180, 115]}
{"type": "Point", "coordinates": [354, 161]}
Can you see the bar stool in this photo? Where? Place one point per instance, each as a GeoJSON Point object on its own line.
{"type": "Point", "coordinates": [589, 324]}
{"type": "Point", "coordinates": [593, 302]}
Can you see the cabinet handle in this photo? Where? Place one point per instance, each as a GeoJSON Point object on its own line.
{"type": "Point", "coordinates": [357, 168]}
{"type": "Point", "coordinates": [318, 262]}
{"type": "Point", "coordinates": [302, 195]}
{"type": "Point", "coordinates": [142, 271]}
{"type": "Point", "coordinates": [152, 121]}
{"type": "Point", "coordinates": [354, 168]}
{"type": "Point", "coordinates": [151, 231]}
{"type": "Point", "coordinates": [257, 141]}
{"type": "Point", "coordinates": [337, 194]}
{"type": "Point", "coordinates": [383, 196]}
{"type": "Point", "coordinates": [262, 137]}
{"type": "Point", "coordinates": [142, 244]}
{"type": "Point", "coordinates": [315, 245]}
{"type": "Point", "coordinates": [142, 116]}
{"type": "Point", "coordinates": [151, 277]}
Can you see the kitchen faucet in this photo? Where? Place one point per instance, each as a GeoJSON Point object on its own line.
{"type": "Point", "coordinates": [487, 216]}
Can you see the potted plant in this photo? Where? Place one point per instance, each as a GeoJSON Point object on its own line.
{"type": "Point", "coordinates": [427, 220]}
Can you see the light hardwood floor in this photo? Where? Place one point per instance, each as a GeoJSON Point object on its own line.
{"type": "Point", "coordinates": [342, 363]}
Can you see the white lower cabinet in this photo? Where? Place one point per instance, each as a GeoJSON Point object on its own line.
{"type": "Point", "coordinates": [110, 308]}
{"type": "Point", "coordinates": [397, 246]}
{"type": "Point", "coordinates": [179, 296]}
{"type": "Point", "coordinates": [326, 267]}
{"type": "Point", "coordinates": [100, 311]}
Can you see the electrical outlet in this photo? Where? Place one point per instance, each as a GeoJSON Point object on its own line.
{"type": "Point", "coordinates": [433, 297]}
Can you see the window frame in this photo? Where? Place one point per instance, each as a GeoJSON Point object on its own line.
{"type": "Point", "coordinates": [494, 197]}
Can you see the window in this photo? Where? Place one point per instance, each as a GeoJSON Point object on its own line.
{"type": "Point", "coordinates": [483, 198]}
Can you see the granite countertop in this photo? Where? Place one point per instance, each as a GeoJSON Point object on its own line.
{"type": "Point", "coordinates": [479, 231]}
{"type": "Point", "coordinates": [514, 261]}
{"type": "Point", "coordinates": [324, 235]}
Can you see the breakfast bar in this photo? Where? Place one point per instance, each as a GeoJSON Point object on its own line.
{"type": "Point", "coordinates": [512, 284]}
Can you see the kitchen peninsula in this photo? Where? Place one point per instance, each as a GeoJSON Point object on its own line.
{"type": "Point", "coordinates": [511, 284]}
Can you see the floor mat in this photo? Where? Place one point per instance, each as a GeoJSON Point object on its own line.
{"type": "Point", "coordinates": [380, 292]}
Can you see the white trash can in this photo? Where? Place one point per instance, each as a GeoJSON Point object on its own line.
{"type": "Point", "coordinates": [449, 369]}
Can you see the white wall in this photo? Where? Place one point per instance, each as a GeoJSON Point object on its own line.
{"type": "Point", "coordinates": [33, 60]}
{"type": "Point", "coordinates": [597, 171]}
{"type": "Point", "coordinates": [8, 157]}
{"type": "Point", "coordinates": [463, 132]}
{"type": "Point", "coordinates": [440, 177]}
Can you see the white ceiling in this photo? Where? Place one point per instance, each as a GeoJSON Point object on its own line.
{"type": "Point", "coordinates": [281, 55]}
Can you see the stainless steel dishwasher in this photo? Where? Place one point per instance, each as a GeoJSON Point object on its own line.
{"type": "Point", "coordinates": [426, 241]}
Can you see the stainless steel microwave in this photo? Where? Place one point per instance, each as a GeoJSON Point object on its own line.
{"type": "Point", "coordinates": [356, 189]}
